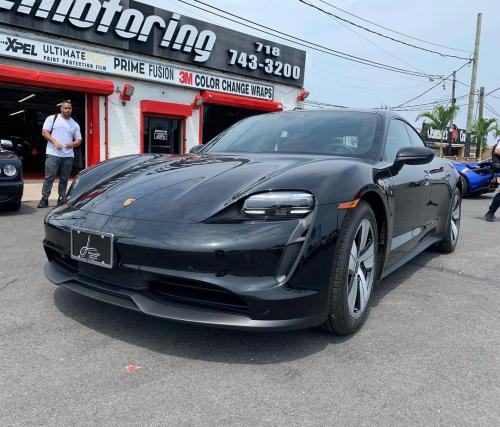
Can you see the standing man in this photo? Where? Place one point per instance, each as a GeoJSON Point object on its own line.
{"type": "Point", "coordinates": [495, 204]}
{"type": "Point", "coordinates": [62, 134]}
{"type": "Point", "coordinates": [453, 138]}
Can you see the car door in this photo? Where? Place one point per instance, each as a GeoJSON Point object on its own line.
{"type": "Point", "coordinates": [439, 175]}
{"type": "Point", "coordinates": [410, 190]}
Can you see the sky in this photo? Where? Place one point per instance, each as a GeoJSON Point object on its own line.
{"type": "Point", "coordinates": [332, 80]}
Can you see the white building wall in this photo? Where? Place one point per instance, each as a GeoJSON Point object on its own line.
{"type": "Point", "coordinates": [124, 120]}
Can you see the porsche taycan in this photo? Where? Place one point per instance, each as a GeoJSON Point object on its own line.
{"type": "Point", "coordinates": [283, 221]}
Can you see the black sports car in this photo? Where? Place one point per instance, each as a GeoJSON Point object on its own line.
{"type": "Point", "coordinates": [11, 177]}
{"type": "Point", "coordinates": [283, 221]}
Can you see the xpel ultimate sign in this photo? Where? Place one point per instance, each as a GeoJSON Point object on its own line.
{"type": "Point", "coordinates": [140, 28]}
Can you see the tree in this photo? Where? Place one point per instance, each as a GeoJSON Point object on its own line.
{"type": "Point", "coordinates": [482, 128]}
{"type": "Point", "coordinates": [496, 132]}
{"type": "Point", "coordinates": [439, 119]}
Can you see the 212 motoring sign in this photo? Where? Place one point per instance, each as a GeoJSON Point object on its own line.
{"type": "Point", "coordinates": [140, 28]}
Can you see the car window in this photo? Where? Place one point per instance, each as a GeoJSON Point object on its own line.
{"type": "Point", "coordinates": [339, 133]}
{"type": "Point", "coordinates": [414, 137]}
{"type": "Point", "coordinates": [397, 138]}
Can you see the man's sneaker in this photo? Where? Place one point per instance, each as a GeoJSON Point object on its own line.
{"type": "Point", "coordinates": [60, 200]}
{"type": "Point", "coordinates": [44, 203]}
{"type": "Point", "coordinates": [489, 217]}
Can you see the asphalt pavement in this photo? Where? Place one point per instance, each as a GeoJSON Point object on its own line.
{"type": "Point", "coordinates": [429, 353]}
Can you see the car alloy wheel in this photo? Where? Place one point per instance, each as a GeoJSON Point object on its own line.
{"type": "Point", "coordinates": [354, 271]}
{"type": "Point", "coordinates": [360, 270]}
{"type": "Point", "coordinates": [455, 219]}
{"type": "Point", "coordinates": [447, 245]}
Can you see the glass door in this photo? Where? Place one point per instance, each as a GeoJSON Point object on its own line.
{"type": "Point", "coordinates": [162, 135]}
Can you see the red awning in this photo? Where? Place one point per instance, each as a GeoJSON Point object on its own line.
{"type": "Point", "coordinates": [210, 97]}
{"type": "Point", "coordinates": [28, 77]}
{"type": "Point", "coordinates": [166, 108]}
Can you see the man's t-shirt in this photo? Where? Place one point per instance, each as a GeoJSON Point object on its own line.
{"type": "Point", "coordinates": [64, 131]}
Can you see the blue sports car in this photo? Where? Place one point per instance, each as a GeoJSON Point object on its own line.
{"type": "Point", "coordinates": [477, 177]}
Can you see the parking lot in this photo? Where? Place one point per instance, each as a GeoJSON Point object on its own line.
{"type": "Point", "coordinates": [429, 353]}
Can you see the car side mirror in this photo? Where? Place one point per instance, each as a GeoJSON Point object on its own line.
{"type": "Point", "coordinates": [196, 149]}
{"type": "Point", "coordinates": [413, 155]}
{"type": "Point", "coordinates": [6, 144]}
{"type": "Point", "coordinates": [410, 155]}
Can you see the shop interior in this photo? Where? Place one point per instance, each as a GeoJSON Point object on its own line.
{"type": "Point", "coordinates": [22, 112]}
{"type": "Point", "coordinates": [217, 118]}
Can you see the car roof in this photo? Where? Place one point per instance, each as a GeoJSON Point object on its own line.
{"type": "Point", "coordinates": [386, 114]}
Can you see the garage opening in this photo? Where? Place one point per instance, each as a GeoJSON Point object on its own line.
{"type": "Point", "coordinates": [217, 118]}
{"type": "Point", "coordinates": [221, 110]}
{"type": "Point", "coordinates": [22, 112]}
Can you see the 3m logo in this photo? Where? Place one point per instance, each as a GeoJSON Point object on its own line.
{"type": "Point", "coordinates": [186, 78]}
{"type": "Point", "coordinates": [128, 23]}
{"type": "Point", "coordinates": [14, 46]}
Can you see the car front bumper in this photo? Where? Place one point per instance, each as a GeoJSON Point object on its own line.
{"type": "Point", "coordinates": [199, 273]}
{"type": "Point", "coordinates": [11, 192]}
{"type": "Point", "coordinates": [146, 303]}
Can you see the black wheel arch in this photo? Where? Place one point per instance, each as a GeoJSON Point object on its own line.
{"type": "Point", "coordinates": [378, 204]}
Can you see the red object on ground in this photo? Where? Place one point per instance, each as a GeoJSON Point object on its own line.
{"type": "Point", "coordinates": [132, 368]}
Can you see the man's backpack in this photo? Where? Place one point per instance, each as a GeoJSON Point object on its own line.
{"type": "Point", "coordinates": [54, 122]}
{"type": "Point", "coordinates": [495, 159]}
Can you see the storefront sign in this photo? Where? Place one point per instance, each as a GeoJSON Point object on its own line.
{"type": "Point", "coordinates": [140, 28]}
{"type": "Point", "coordinates": [434, 135]}
{"type": "Point", "coordinates": [160, 135]}
{"type": "Point", "coordinates": [89, 60]}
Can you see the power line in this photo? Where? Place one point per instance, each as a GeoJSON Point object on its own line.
{"type": "Point", "coordinates": [490, 108]}
{"type": "Point", "coordinates": [322, 73]}
{"type": "Point", "coordinates": [493, 91]}
{"type": "Point", "coordinates": [382, 35]}
{"type": "Point", "coordinates": [373, 43]}
{"type": "Point", "coordinates": [437, 84]}
{"type": "Point", "coordinates": [305, 43]}
{"type": "Point", "coordinates": [322, 104]}
{"type": "Point", "coordinates": [394, 31]}
{"type": "Point", "coordinates": [437, 101]}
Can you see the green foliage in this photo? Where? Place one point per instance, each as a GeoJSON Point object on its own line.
{"type": "Point", "coordinates": [496, 131]}
{"type": "Point", "coordinates": [439, 118]}
{"type": "Point", "coordinates": [482, 128]}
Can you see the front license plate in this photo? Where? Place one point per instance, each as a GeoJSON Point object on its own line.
{"type": "Point", "coordinates": [92, 247]}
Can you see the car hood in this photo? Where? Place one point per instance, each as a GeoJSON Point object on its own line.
{"type": "Point", "coordinates": [8, 155]}
{"type": "Point", "coordinates": [188, 189]}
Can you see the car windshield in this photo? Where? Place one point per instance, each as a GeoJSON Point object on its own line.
{"type": "Point", "coordinates": [334, 133]}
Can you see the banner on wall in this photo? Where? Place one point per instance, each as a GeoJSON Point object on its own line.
{"type": "Point", "coordinates": [40, 51]}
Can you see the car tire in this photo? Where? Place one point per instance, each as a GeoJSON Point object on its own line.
{"type": "Point", "coordinates": [14, 206]}
{"type": "Point", "coordinates": [449, 242]}
{"type": "Point", "coordinates": [465, 187]}
{"type": "Point", "coordinates": [354, 271]}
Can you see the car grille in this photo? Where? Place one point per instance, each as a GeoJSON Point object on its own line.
{"type": "Point", "coordinates": [124, 278]}
{"type": "Point", "coordinates": [181, 291]}
{"type": "Point", "coordinates": [63, 260]}
{"type": "Point", "coordinates": [197, 294]}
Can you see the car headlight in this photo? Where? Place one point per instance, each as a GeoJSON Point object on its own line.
{"type": "Point", "coordinates": [279, 204]}
{"type": "Point", "coordinates": [9, 169]}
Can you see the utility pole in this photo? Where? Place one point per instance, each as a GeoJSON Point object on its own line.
{"type": "Point", "coordinates": [481, 106]}
{"type": "Point", "coordinates": [453, 99]}
{"type": "Point", "coordinates": [472, 89]}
